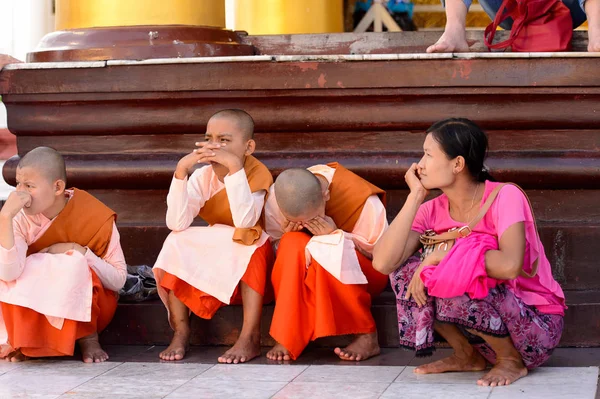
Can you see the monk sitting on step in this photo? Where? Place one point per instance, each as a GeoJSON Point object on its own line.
{"type": "Point", "coordinates": [60, 264]}
{"type": "Point", "coordinates": [201, 269]}
{"type": "Point", "coordinates": [327, 219]}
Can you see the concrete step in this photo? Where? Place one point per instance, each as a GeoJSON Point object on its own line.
{"type": "Point", "coordinates": [146, 324]}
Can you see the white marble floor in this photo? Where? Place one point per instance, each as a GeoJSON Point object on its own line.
{"type": "Point", "coordinates": [73, 379]}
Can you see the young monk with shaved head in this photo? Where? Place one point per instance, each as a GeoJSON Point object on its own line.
{"type": "Point", "coordinates": [327, 220]}
{"type": "Point", "coordinates": [60, 264]}
{"type": "Point", "coordinates": [201, 269]}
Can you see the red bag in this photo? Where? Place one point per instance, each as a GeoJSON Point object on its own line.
{"type": "Point", "coordinates": [538, 25]}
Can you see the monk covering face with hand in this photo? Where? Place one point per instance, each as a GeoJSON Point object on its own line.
{"type": "Point", "coordinates": [60, 264]}
{"type": "Point", "coordinates": [301, 197]}
{"type": "Point", "coordinates": [200, 269]}
{"type": "Point", "coordinates": [326, 220]}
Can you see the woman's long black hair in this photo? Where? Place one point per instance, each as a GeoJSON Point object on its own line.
{"type": "Point", "coordinates": [462, 137]}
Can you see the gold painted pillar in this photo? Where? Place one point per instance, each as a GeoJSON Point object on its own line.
{"type": "Point", "coordinates": [265, 17]}
{"type": "Point", "coordinates": [74, 14]}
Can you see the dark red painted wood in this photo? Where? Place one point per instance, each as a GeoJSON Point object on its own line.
{"type": "Point", "coordinates": [122, 129]}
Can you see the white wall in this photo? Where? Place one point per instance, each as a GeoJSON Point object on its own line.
{"type": "Point", "coordinates": [22, 24]}
{"type": "Point", "coordinates": [230, 14]}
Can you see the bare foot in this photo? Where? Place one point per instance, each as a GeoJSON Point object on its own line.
{"type": "Point", "coordinates": [244, 350]}
{"type": "Point", "coordinates": [91, 350]}
{"type": "Point", "coordinates": [452, 41]}
{"type": "Point", "coordinates": [473, 362]}
{"type": "Point", "coordinates": [363, 347]}
{"type": "Point", "coordinates": [505, 372]}
{"type": "Point", "coordinates": [16, 357]}
{"type": "Point", "coordinates": [594, 40]}
{"type": "Point", "coordinates": [279, 352]}
{"type": "Point", "coordinates": [594, 47]}
{"type": "Point", "coordinates": [592, 10]}
{"type": "Point", "coordinates": [179, 345]}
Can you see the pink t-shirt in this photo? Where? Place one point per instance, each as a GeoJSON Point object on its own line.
{"type": "Point", "coordinates": [510, 207]}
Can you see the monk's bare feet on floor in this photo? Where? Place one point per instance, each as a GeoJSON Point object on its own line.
{"type": "Point", "coordinates": [363, 347]}
{"type": "Point", "coordinates": [505, 372]}
{"type": "Point", "coordinates": [91, 350]}
{"type": "Point", "coordinates": [278, 352]}
{"type": "Point", "coordinates": [16, 357]}
{"type": "Point", "coordinates": [452, 41]}
{"type": "Point", "coordinates": [472, 362]}
{"type": "Point", "coordinates": [177, 348]}
{"type": "Point", "coordinates": [244, 350]}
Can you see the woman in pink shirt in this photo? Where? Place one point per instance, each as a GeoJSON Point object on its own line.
{"type": "Point", "coordinates": [520, 321]}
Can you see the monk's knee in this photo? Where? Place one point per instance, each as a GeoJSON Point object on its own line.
{"type": "Point", "coordinates": [296, 236]}
{"type": "Point", "coordinates": [294, 240]}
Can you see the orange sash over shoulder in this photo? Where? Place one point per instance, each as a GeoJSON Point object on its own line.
{"type": "Point", "coordinates": [85, 220]}
{"type": "Point", "coordinates": [217, 209]}
{"type": "Point", "coordinates": [348, 194]}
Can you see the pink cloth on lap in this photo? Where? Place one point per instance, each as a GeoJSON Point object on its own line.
{"type": "Point", "coordinates": [462, 271]}
{"type": "Point", "coordinates": [510, 207]}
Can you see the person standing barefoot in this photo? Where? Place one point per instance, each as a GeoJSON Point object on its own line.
{"type": "Point", "coordinates": [592, 10]}
{"type": "Point", "coordinates": [453, 40]}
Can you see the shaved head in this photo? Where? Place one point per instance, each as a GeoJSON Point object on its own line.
{"type": "Point", "coordinates": [46, 161]}
{"type": "Point", "coordinates": [242, 119]}
{"type": "Point", "coordinates": [298, 192]}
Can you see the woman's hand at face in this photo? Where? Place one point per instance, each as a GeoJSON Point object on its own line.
{"type": "Point", "coordinates": [414, 183]}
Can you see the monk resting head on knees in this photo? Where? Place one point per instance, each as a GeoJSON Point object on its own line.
{"type": "Point", "coordinates": [40, 190]}
{"type": "Point", "coordinates": [301, 201]}
{"type": "Point", "coordinates": [301, 197]}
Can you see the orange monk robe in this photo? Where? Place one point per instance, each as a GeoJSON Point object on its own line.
{"type": "Point", "coordinates": [323, 285]}
{"type": "Point", "coordinates": [44, 310]}
{"type": "Point", "coordinates": [204, 265]}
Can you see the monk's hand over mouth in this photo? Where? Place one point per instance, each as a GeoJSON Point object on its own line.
{"type": "Point", "coordinates": [206, 152]}
{"type": "Point", "coordinates": [320, 226]}
{"type": "Point", "coordinates": [16, 201]}
{"type": "Point", "coordinates": [62, 247]}
{"type": "Point", "coordinates": [416, 288]}
{"type": "Point", "coordinates": [232, 162]}
{"type": "Point", "coordinates": [203, 154]}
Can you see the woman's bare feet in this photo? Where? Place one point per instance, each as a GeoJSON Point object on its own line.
{"type": "Point", "coordinates": [456, 362]}
{"type": "Point", "coordinates": [91, 350]}
{"type": "Point", "coordinates": [453, 40]}
{"type": "Point", "coordinates": [244, 350]}
{"type": "Point", "coordinates": [179, 345]}
{"type": "Point", "coordinates": [363, 347]}
{"type": "Point", "coordinates": [278, 352]}
{"type": "Point", "coordinates": [505, 372]}
{"type": "Point", "coordinates": [15, 357]}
